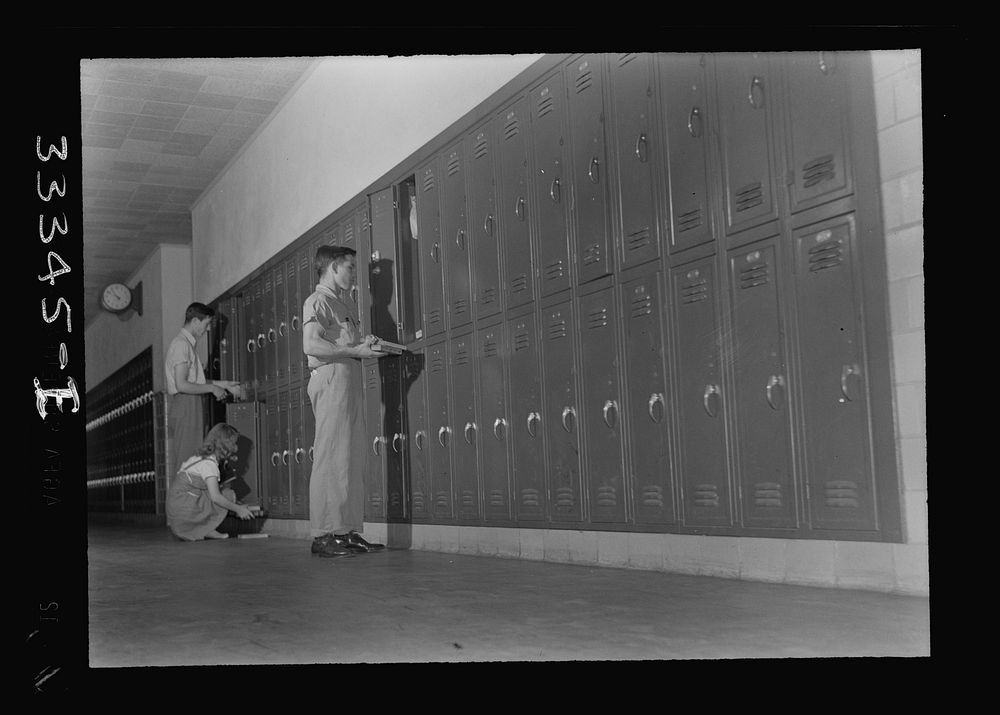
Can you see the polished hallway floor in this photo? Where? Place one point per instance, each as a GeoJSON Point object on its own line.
{"type": "Point", "coordinates": [156, 601]}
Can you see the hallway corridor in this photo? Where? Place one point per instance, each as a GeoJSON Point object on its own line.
{"type": "Point", "coordinates": [154, 601]}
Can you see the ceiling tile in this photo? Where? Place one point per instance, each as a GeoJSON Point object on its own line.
{"type": "Point", "coordinates": [163, 109]}
{"type": "Point", "coordinates": [180, 80]}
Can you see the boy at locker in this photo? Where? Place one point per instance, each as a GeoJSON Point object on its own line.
{"type": "Point", "coordinates": [331, 338]}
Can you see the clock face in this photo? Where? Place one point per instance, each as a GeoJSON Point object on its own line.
{"type": "Point", "coordinates": [116, 297]}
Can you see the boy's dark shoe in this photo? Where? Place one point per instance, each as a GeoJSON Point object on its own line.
{"type": "Point", "coordinates": [355, 542]}
{"type": "Point", "coordinates": [327, 547]}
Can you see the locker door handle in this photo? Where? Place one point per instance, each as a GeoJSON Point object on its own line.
{"type": "Point", "coordinates": [216, 363]}
{"type": "Point", "coordinates": [298, 455]}
{"type": "Point", "coordinates": [260, 340]}
{"type": "Point", "coordinates": [281, 329]}
{"type": "Point", "coordinates": [695, 116]}
{"type": "Point", "coordinates": [554, 191]}
{"type": "Point", "coordinates": [568, 411]}
{"type": "Point", "coordinates": [418, 439]}
{"type": "Point", "coordinates": [772, 382]}
{"type": "Point", "coordinates": [640, 147]}
{"type": "Point", "coordinates": [756, 99]}
{"type": "Point", "coordinates": [653, 399]}
{"type": "Point", "coordinates": [488, 225]}
{"type": "Point", "coordinates": [375, 443]}
{"type": "Point", "coordinates": [271, 335]}
{"type": "Point", "coordinates": [846, 372]}
{"type": "Point", "coordinates": [274, 459]}
{"type": "Point", "coordinates": [592, 170]}
{"type": "Point", "coordinates": [310, 454]}
{"type": "Point", "coordinates": [460, 239]}
{"type": "Point", "coordinates": [496, 423]}
{"type": "Point", "coordinates": [441, 432]}
{"type": "Point", "coordinates": [397, 437]}
{"type": "Point", "coordinates": [284, 457]}
{"type": "Point", "coordinates": [436, 253]}
{"type": "Point", "coordinates": [295, 322]}
{"type": "Point", "coordinates": [608, 404]}
{"type": "Point", "coordinates": [250, 346]}
{"type": "Point", "coordinates": [710, 390]}
{"type": "Point", "coordinates": [533, 417]}
{"type": "Point", "coordinates": [519, 208]}
{"type": "Point", "coordinates": [469, 426]}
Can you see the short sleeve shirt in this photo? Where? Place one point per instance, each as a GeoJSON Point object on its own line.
{"type": "Point", "coordinates": [197, 469]}
{"type": "Point", "coordinates": [181, 352]}
{"type": "Point", "coordinates": [336, 315]}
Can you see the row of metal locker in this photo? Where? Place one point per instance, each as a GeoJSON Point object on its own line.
{"type": "Point", "coordinates": [633, 295]}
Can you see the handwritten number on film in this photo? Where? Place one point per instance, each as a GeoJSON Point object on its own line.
{"type": "Point", "coordinates": [70, 392]}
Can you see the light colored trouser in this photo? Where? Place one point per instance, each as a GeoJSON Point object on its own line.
{"type": "Point", "coordinates": [185, 427]}
{"type": "Point", "coordinates": [336, 484]}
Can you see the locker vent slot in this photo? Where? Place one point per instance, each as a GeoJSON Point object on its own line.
{"type": "Point", "coordinates": [749, 196]}
{"type": "Point", "coordinates": [418, 501]}
{"type": "Point", "coordinates": [592, 254]}
{"type": "Point", "coordinates": [437, 363]}
{"type": "Point", "coordinates": [584, 80]}
{"type": "Point", "coordinates": [490, 348]}
{"type": "Point", "coordinates": [706, 495]}
{"type": "Point", "coordinates": [554, 270]}
{"type": "Point", "coordinates": [461, 306]}
{"type": "Point", "coordinates": [279, 279]}
{"type": "Point", "coordinates": [638, 239]}
{"type": "Point", "coordinates": [818, 170]}
{"type": "Point", "coordinates": [375, 500]}
{"type": "Point", "coordinates": [519, 283]}
{"type": "Point", "coordinates": [689, 220]}
{"type": "Point", "coordinates": [488, 295]}
{"type": "Point", "coordinates": [395, 499]}
{"type": "Point", "coordinates": [481, 147]}
{"type": "Point", "coordinates": [529, 497]}
{"type": "Point", "coordinates": [372, 382]}
{"type": "Point", "coordinates": [468, 498]}
{"type": "Point", "coordinates": [365, 223]}
{"type": "Point", "coordinates": [607, 496]}
{"type": "Point", "coordinates": [462, 354]}
{"type": "Point", "coordinates": [434, 316]}
{"type": "Point", "coordinates": [756, 275]}
{"type": "Point", "coordinates": [498, 498]}
{"type": "Point", "coordinates": [522, 341]}
{"type": "Point", "coordinates": [511, 129]}
{"type": "Point", "coordinates": [304, 262]}
{"type": "Point", "coordinates": [291, 271]}
{"type": "Point", "coordinates": [454, 164]}
{"type": "Point", "coordinates": [642, 305]}
{"type": "Point", "coordinates": [767, 494]}
{"type": "Point", "coordinates": [825, 255]}
{"type": "Point", "coordinates": [429, 181]}
{"type": "Point", "coordinates": [443, 500]}
{"type": "Point", "coordinates": [545, 105]}
{"type": "Point", "coordinates": [597, 319]}
{"type": "Point", "coordinates": [267, 284]}
{"type": "Point", "coordinates": [565, 497]}
{"type": "Point", "coordinates": [842, 494]}
{"type": "Point", "coordinates": [557, 329]}
{"type": "Point", "coordinates": [348, 233]}
{"type": "Point", "coordinates": [652, 496]}
{"type": "Point", "coordinates": [694, 291]}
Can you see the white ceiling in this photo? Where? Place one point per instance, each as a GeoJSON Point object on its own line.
{"type": "Point", "coordinates": [155, 134]}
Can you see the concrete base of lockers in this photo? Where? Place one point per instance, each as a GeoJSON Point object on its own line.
{"type": "Point", "coordinates": [889, 568]}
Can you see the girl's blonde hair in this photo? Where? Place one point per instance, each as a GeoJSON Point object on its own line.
{"type": "Point", "coordinates": [220, 441]}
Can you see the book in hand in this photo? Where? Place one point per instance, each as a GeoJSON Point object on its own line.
{"type": "Point", "coordinates": [384, 346]}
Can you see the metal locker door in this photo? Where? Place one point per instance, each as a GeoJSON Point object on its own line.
{"type": "Point", "coordinates": [817, 120]}
{"type": "Point", "coordinates": [265, 316]}
{"type": "Point", "coordinates": [511, 128]}
{"type": "Point", "coordinates": [431, 252]}
{"type": "Point", "coordinates": [483, 224]}
{"type": "Point", "coordinates": [439, 433]}
{"type": "Point", "coordinates": [705, 491]}
{"type": "Point", "coordinates": [550, 185]}
{"type": "Point", "coordinates": [648, 412]}
{"type": "Point", "coordinates": [491, 353]}
{"type": "Point", "coordinates": [382, 295]}
{"type": "Point", "coordinates": [585, 78]}
{"type": "Point", "coordinates": [602, 418]}
{"type": "Point", "coordinates": [248, 342]}
{"type": "Point", "coordinates": [637, 155]}
{"type": "Point", "coordinates": [408, 257]}
{"type": "Point", "coordinates": [685, 110]}
{"type": "Point", "coordinates": [298, 462]}
{"type": "Point", "coordinates": [835, 390]}
{"type": "Point", "coordinates": [395, 433]}
{"type": "Point", "coordinates": [765, 470]}
{"type": "Point", "coordinates": [374, 441]}
{"type": "Point", "coordinates": [561, 423]}
{"type": "Point", "coordinates": [746, 92]}
{"type": "Point", "coordinates": [307, 440]}
{"type": "Point", "coordinates": [357, 229]}
{"type": "Point", "coordinates": [455, 240]}
{"type": "Point", "coordinates": [282, 476]}
{"type": "Point", "coordinates": [307, 283]}
{"type": "Point", "coordinates": [416, 444]}
{"type": "Point", "coordinates": [274, 489]}
{"type": "Point", "coordinates": [525, 429]}
{"type": "Point", "coordinates": [279, 334]}
{"type": "Point", "coordinates": [466, 443]}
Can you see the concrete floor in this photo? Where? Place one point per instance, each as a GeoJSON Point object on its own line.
{"type": "Point", "coordinates": [156, 601]}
